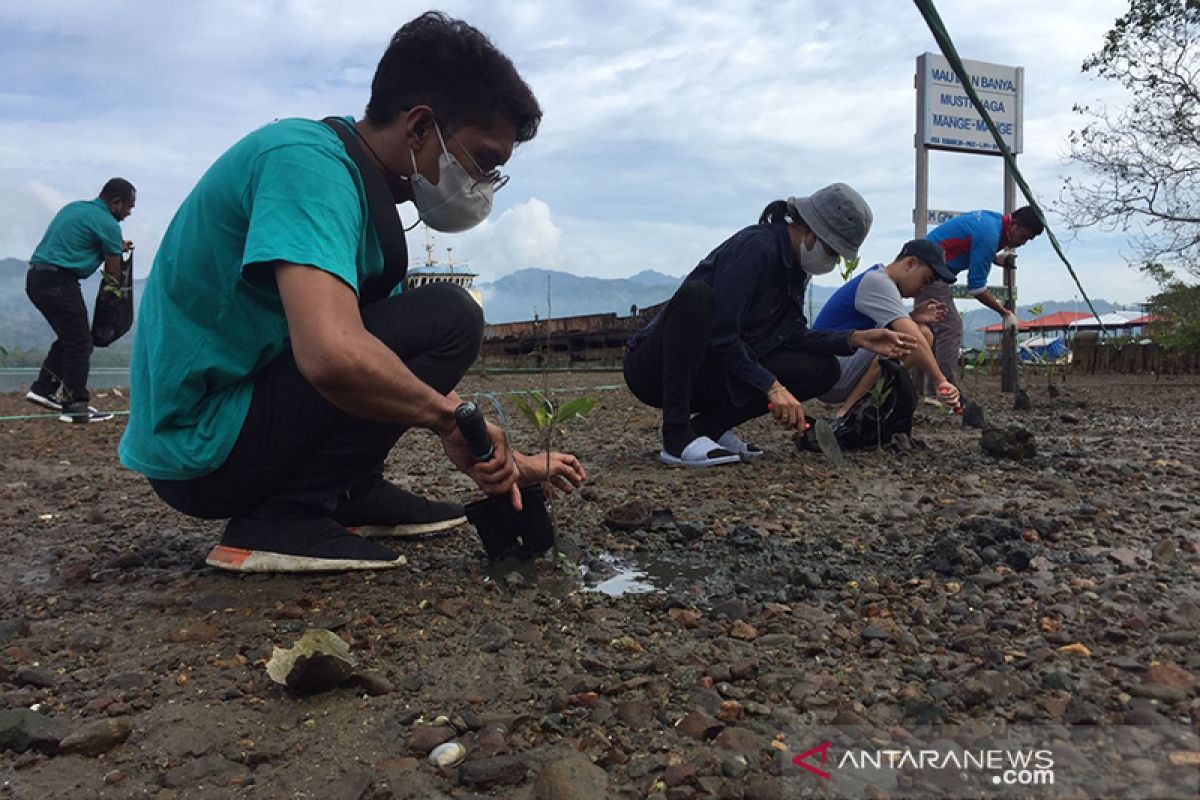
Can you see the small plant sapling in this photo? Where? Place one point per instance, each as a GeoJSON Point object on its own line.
{"type": "Point", "coordinates": [879, 396]}
{"type": "Point", "coordinates": [546, 416]}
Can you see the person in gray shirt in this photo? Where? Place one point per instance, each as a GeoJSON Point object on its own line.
{"type": "Point", "coordinates": [875, 299]}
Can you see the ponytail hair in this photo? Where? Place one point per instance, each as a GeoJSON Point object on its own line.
{"type": "Point", "coordinates": [780, 211]}
{"type": "Point", "coordinates": [776, 211]}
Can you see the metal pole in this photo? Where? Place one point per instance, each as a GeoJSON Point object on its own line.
{"type": "Point", "coordinates": [1009, 381]}
{"type": "Point", "coordinates": [921, 204]}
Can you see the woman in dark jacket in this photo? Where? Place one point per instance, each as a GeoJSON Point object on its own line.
{"type": "Point", "coordinates": [733, 343]}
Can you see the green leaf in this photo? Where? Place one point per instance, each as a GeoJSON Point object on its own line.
{"type": "Point", "coordinates": [574, 409]}
{"type": "Point", "coordinates": [528, 412]}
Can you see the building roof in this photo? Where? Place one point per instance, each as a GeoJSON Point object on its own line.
{"type": "Point", "coordinates": [1056, 321]}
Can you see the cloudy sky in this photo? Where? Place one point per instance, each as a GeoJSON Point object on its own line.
{"type": "Point", "coordinates": [668, 125]}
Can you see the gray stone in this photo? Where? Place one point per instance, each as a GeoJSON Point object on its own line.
{"type": "Point", "coordinates": [498, 771]}
{"type": "Point", "coordinates": [213, 769]}
{"type": "Point", "coordinates": [731, 610]}
{"type": "Point", "coordinates": [90, 641]}
{"type": "Point", "coordinates": [1012, 442]}
{"type": "Point", "coordinates": [572, 777]}
{"type": "Point", "coordinates": [13, 629]}
{"type": "Point", "coordinates": [33, 676]}
{"type": "Point", "coordinates": [370, 683]}
{"type": "Point", "coordinates": [426, 737]}
{"type": "Point", "coordinates": [22, 729]}
{"type": "Point", "coordinates": [97, 737]}
{"type": "Point", "coordinates": [492, 637]}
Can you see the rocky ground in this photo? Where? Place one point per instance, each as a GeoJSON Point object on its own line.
{"type": "Point", "coordinates": [938, 586]}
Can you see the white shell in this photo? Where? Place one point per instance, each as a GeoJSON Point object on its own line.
{"type": "Point", "coordinates": [446, 755]}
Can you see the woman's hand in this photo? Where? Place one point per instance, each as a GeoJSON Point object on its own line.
{"type": "Point", "coordinates": [561, 470]}
{"type": "Point", "coordinates": [887, 343]}
{"type": "Point", "coordinates": [785, 407]}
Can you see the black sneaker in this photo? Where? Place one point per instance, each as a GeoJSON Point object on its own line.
{"type": "Point", "coordinates": [314, 544]}
{"type": "Point", "coordinates": [384, 509]}
{"type": "Point", "coordinates": [44, 399]}
{"type": "Point", "coordinates": [82, 412]}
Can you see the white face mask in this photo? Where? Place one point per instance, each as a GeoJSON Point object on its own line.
{"type": "Point", "coordinates": [457, 202]}
{"type": "Point", "coordinates": [815, 261]}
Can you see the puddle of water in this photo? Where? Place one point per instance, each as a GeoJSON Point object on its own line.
{"type": "Point", "coordinates": [641, 575]}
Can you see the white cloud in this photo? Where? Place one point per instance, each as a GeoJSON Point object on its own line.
{"type": "Point", "coordinates": [668, 125]}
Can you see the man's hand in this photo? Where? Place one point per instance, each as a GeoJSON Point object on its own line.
{"type": "Point", "coordinates": [947, 394]}
{"type": "Point", "coordinates": [561, 471]}
{"type": "Point", "coordinates": [785, 407]}
{"type": "Point", "coordinates": [1006, 259]}
{"type": "Point", "coordinates": [1010, 322]}
{"type": "Point", "coordinates": [889, 344]}
{"type": "Point", "coordinates": [496, 476]}
{"type": "Point", "coordinates": [126, 246]}
{"type": "Point", "coordinates": [929, 312]}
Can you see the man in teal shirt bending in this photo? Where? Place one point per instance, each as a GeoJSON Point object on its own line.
{"type": "Point", "coordinates": [271, 372]}
{"type": "Point", "coordinates": [81, 237]}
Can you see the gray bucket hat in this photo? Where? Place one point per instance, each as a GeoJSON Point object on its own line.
{"type": "Point", "coordinates": [838, 215]}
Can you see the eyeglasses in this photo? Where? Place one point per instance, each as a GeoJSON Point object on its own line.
{"type": "Point", "coordinates": [494, 177]}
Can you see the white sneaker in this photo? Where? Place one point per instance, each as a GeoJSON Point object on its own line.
{"type": "Point", "coordinates": [733, 443]}
{"type": "Point", "coordinates": [93, 415]}
{"type": "Point", "coordinates": [50, 401]}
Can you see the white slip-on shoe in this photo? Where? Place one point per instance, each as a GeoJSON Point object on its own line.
{"type": "Point", "coordinates": [734, 444]}
{"type": "Point", "coordinates": [700, 452]}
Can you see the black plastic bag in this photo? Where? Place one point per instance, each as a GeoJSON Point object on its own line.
{"type": "Point", "coordinates": [872, 423]}
{"type": "Point", "coordinates": [113, 315]}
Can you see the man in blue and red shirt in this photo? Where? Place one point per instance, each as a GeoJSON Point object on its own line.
{"type": "Point", "coordinates": [970, 243]}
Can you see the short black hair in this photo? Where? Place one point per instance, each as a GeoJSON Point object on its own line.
{"type": "Point", "coordinates": [1028, 219]}
{"type": "Point", "coordinates": [454, 69]}
{"type": "Point", "coordinates": [118, 189]}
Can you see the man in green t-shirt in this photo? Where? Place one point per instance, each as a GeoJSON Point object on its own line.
{"type": "Point", "coordinates": [82, 236]}
{"type": "Point", "coordinates": [271, 374]}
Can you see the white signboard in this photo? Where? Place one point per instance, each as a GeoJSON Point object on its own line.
{"type": "Point", "coordinates": [947, 117]}
{"type": "Point", "coordinates": [936, 216]}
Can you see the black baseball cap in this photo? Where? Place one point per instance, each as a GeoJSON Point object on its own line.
{"type": "Point", "coordinates": [928, 252]}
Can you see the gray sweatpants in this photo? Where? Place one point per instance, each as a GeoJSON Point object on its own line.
{"type": "Point", "coordinates": [947, 334]}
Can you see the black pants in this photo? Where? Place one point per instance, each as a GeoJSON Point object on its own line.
{"type": "Point", "coordinates": [297, 452]}
{"type": "Point", "coordinates": [55, 293]}
{"type": "Point", "coordinates": [673, 369]}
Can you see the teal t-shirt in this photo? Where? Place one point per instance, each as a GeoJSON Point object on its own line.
{"type": "Point", "coordinates": [211, 316]}
{"type": "Point", "coordinates": [79, 237]}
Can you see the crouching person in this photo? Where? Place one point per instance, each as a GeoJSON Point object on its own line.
{"type": "Point", "coordinates": [277, 362]}
{"type": "Point", "coordinates": [733, 344]}
{"type": "Point", "coordinates": [875, 298]}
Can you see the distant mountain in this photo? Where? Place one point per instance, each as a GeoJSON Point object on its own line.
{"type": "Point", "coordinates": [517, 296]}
{"type": "Point", "coordinates": [522, 294]}
{"type": "Point", "coordinates": [649, 277]}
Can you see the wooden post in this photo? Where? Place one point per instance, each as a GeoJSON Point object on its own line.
{"type": "Point", "coordinates": [1008, 341]}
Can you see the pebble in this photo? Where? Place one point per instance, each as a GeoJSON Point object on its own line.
{"type": "Point", "coordinates": [491, 772]}
{"type": "Point", "coordinates": [447, 755]}
{"type": "Point", "coordinates": [571, 777]}
{"type": "Point", "coordinates": [98, 737]}
{"type": "Point", "coordinates": [22, 729]}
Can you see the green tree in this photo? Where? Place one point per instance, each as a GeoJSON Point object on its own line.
{"type": "Point", "coordinates": [1176, 310]}
{"type": "Point", "coordinates": [1142, 161]}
